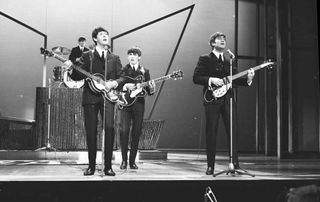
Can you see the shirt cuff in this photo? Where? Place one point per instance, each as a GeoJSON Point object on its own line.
{"type": "Point", "coordinates": [115, 84]}
{"type": "Point", "coordinates": [209, 83]}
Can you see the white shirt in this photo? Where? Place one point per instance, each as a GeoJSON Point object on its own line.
{"type": "Point", "coordinates": [135, 66]}
{"type": "Point", "coordinates": [99, 50]}
{"type": "Point", "coordinates": [218, 54]}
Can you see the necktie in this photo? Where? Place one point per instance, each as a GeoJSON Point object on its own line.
{"type": "Point", "coordinates": [102, 55]}
{"type": "Point", "coordinates": [220, 58]}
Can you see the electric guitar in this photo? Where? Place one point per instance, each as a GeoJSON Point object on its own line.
{"type": "Point", "coordinates": [128, 97]}
{"type": "Point", "coordinates": [96, 81]}
{"type": "Point", "coordinates": [213, 93]}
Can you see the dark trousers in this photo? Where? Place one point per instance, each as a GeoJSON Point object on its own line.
{"type": "Point", "coordinates": [90, 122]}
{"type": "Point", "coordinates": [132, 115]}
{"type": "Point", "coordinates": [213, 113]}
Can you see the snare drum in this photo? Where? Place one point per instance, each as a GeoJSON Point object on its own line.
{"type": "Point", "coordinates": [71, 83]}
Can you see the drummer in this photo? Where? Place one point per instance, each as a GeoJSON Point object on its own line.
{"type": "Point", "coordinates": [77, 51]}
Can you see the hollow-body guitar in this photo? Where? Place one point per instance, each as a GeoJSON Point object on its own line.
{"type": "Point", "coordinates": [128, 97]}
{"type": "Point", "coordinates": [96, 81]}
{"type": "Point", "coordinates": [213, 93]}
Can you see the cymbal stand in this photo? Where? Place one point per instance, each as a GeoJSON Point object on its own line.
{"type": "Point", "coordinates": [48, 146]}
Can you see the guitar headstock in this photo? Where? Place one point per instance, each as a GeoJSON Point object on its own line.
{"type": "Point", "coordinates": [269, 64]}
{"type": "Point", "coordinates": [176, 74]}
{"type": "Point", "coordinates": [46, 52]}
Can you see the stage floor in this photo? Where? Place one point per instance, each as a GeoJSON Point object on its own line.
{"type": "Point", "coordinates": [58, 176]}
{"type": "Point", "coordinates": [177, 166]}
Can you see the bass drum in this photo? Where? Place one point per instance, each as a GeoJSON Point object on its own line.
{"type": "Point", "coordinates": [71, 83]}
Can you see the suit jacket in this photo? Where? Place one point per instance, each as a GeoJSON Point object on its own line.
{"type": "Point", "coordinates": [209, 66]}
{"type": "Point", "coordinates": [127, 71]}
{"type": "Point", "coordinates": [76, 53]}
{"type": "Point", "coordinates": [98, 66]}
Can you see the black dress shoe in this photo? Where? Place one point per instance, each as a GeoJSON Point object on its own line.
{"type": "Point", "coordinates": [109, 172]}
{"type": "Point", "coordinates": [133, 166]}
{"type": "Point", "coordinates": [209, 170]}
{"type": "Point", "coordinates": [89, 171]}
{"type": "Point", "coordinates": [123, 165]}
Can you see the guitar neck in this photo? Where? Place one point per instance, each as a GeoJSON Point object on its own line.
{"type": "Point", "coordinates": [243, 73]}
{"type": "Point", "coordinates": [62, 59]}
{"type": "Point", "coordinates": [144, 84]}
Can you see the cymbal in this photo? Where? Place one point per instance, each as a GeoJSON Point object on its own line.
{"type": "Point", "coordinates": [61, 50]}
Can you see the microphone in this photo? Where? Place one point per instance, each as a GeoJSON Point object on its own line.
{"type": "Point", "coordinates": [208, 190]}
{"type": "Point", "coordinates": [231, 54]}
{"type": "Point", "coordinates": [209, 193]}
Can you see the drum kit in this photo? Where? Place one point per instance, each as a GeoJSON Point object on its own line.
{"type": "Point", "coordinates": [61, 79]}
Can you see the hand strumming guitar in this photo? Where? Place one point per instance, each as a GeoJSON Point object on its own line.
{"type": "Point", "coordinates": [215, 81]}
{"type": "Point", "coordinates": [129, 87]}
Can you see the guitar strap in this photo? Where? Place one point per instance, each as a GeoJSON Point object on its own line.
{"type": "Point", "coordinates": [142, 70]}
{"type": "Point", "coordinates": [91, 57]}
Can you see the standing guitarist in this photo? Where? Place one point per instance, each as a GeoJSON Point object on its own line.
{"type": "Point", "coordinates": [133, 113]}
{"type": "Point", "coordinates": [95, 61]}
{"type": "Point", "coordinates": [209, 72]}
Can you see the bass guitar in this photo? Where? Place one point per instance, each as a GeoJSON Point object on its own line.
{"type": "Point", "coordinates": [128, 97]}
{"type": "Point", "coordinates": [96, 81]}
{"type": "Point", "coordinates": [213, 93]}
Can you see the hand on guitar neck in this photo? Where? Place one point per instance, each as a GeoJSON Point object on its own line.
{"type": "Point", "coordinates": [215, 90]}
{"type": "Point", "coordinates": [250, 75]}
{"type": "Point", "coordinates": [67, 65]}
{"type": "Point", "coordinates": [97, 82]}
{"type": "Point", "coordinates": [135, 88]}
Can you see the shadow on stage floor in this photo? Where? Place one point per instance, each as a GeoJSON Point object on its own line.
{"type": "Point", "coordinates": [57, 176]}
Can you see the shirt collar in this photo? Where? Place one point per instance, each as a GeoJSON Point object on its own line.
{"type": "Point", "coordinates": [99, 50]}
{"type": "Point", "coordinates": [135, 66]}
{"type": "Point", "coordinates": [216, 53]}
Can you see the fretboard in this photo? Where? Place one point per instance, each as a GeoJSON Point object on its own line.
{"type": "Point", "coordinates": [62, 59]}
{"type": "Point", "coordinates": [166, 77]}
{"type": "Point", "coordinates": [243, 73]}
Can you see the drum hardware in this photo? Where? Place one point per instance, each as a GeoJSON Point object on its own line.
{"type": "Point", "coordinates": [61, 50]}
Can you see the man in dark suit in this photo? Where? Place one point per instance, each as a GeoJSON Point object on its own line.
{"type": "Point", "coordinates": [133, 114]}
{"type": "Point", "coordinates": [76, 52]}
{"type": "Point", "coordinates": [96, 61]}
{"type": "Point", "coordinates": [209, 72]}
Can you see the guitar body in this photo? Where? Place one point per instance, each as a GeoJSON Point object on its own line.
{"type": "Point", "coordinates": [127, 97]}
{"type": "Point", "coordinates": [97, 85]}
{"type": "Point", "coordinates": [214, 93]}
{"type": "Point", "coordinates": [71, 83]}
{"type": "Point", "coordinates": [96, 81]}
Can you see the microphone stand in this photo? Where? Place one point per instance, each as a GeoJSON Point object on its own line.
{"type": "Point", "coordinates": [48, 147]}
{"type": "Point", "coordinates": [231, 168]}
{"type": "Point", "coordinates": [208, 195]}
{"type": "Point", "coordinates": [103, 134]}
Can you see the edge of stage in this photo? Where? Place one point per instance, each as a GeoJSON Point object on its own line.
{"type": "Point", "coordinates": [162, 176]}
